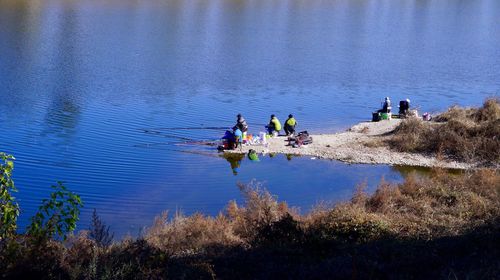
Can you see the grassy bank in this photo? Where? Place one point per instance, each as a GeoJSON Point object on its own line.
{"type": "Point", "coordinates": [439, 226]}
{"type": "Point", "coordinates": [428, 227]}
{"type": "Point", "coordinates": [464, 134]}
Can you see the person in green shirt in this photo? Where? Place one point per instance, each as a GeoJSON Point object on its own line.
{"type": "Point", "coordinates": [290, 125]}
{"type": "Point", "coordinates": [274, 125]}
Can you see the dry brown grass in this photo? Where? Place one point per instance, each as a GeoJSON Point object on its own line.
{"type": "Point", "coordinates": [365, 130]}
{"type": "Point", "coordinates": [265, 235]}
{"type": "Point", "coordinates": [374, 143]}
{"type": "Point", "coordinates": [185, 235]}
{"type": "Point", "coordinates": [260, 210]}
{"type": "Point", "coordinates": [194, 234]}
{"type": "Point", "coordinates": [424, 207]}
{"type": "Point", "coordinates": [465, 134]}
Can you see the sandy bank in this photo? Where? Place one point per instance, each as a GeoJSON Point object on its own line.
{"type": "Point", "coordinates": [362, 143]}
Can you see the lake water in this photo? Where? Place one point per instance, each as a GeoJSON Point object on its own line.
{"type": "Point", "coordinates": [91, 91]}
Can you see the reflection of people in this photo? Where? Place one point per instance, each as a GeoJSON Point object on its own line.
{"type": "Point", "coordinates": [235, 161]}
{"type": "Point", "coordinates": [290, 125]}
{"type": "Point", "coordinates": [252, 155]}
{"type": "Point", "coordinates": [274, 125]}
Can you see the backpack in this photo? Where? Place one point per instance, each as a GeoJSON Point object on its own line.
{"type": "Point", "coordinates": [302, 138]}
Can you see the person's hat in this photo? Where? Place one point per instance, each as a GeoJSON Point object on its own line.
{"type": "Point", "coordinates": [387, 98]}
{"type": "Point", "coordinates": [290, 116]}
{"type": "Point", "coordinates": [272, 116]}
{"type": "Point", "coordinates": [239, 116]}
{"type": "Point", "coordinates": [408, 100]}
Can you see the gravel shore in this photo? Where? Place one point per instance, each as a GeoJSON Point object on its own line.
{"type": "Point", "coordinates": [362, 143]}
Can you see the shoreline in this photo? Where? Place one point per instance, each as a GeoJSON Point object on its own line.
{"type": "Point", "coordinates": [360, 144]}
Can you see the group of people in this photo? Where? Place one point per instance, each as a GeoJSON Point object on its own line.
{"type": "Point", "coordinates": [240, 129]}
{"type": "Point", "coordinates": [404, 107]}
{"type": "Point", "coordinates": [274, 126]}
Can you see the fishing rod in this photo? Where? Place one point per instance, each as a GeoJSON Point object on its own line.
{"type": "Point", "coordinates": [187, 143]}
{"type": "Point", "coordinates": [187, 128]}
{"type": "Point", "coordinates": [158, 133]}
{"type": "Point", "coordinates": [197, 127]}
{"type": "Point", "coordinates": [208, 154]}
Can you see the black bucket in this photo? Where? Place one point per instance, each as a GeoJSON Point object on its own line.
{"type": "Point", "coordinates": [375, 117]}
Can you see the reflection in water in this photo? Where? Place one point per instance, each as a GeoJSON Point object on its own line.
{"type": "Point", "coordinates": [234, 161]}
{"type": "Point", "coordinates": [289, 157]}
{"type": "Point", "coordinates": [87, 76]}
{"type": "Point", "coordinates": [252, 155]}
{"type": "Point", "coordinates": [406, 171]}
{"type": "Point", "coordinates": [62, 118]}
{"type": "Point", "coordinates": [63, 111]}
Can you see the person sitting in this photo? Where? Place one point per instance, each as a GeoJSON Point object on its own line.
{"type": "Point", "coordinates": [386, 106]}
{"type": "Point", "coordinates": [290, 125]}
{"type": "Point", "coordinates": [231, 140]}
{"type": "Point", "coordinates": [274, 126]}
{"type": "Point", "coordinates": [228, 141]}
{"type": "Point", "coordinates": [241, 124]}
{"type": "Point", "coordinates": [238, 137]}
{"type": "Point", "coordinates": [404, 108]}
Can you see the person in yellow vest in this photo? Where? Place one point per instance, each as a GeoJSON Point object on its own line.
{"type": "Point", "coordinates": [274, 126]}
{"type": "Point", "coordinates": [290, 125]}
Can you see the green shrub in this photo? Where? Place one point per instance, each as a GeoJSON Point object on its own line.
{"type": "Point", "coordinates": [57, 216]}
{"type": "Point", "coordinates": [9, 209]}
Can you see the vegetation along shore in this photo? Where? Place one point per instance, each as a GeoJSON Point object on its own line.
{"type": "Point", "coordinates": [436, 226]}
{"type": "Point", "coordinates": [459, 138]}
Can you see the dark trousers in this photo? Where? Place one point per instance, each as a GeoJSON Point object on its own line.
{"type": "Point", "coordinates": [289, 129]}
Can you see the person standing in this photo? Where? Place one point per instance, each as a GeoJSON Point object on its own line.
{"type": "Point", "coordinates": [290, 124]}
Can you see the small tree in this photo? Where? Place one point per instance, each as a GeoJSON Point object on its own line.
{"type": "Point", "coordinates": [99, 231]}
{"type": "Point", "coordinates": [9, 209]}
{"type": "Point", "coordinates": [56, 216]}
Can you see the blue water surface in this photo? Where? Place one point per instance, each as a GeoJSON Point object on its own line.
{"type": "Point", "coordinates": [108, 96]}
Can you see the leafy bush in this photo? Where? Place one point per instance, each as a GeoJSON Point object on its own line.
{"type": "Point", "coordinates": [56, 216]}
{"type": "Point", "coordinates": [9, 209]}
{"type": "Point", "coordinates": [448, 222]}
